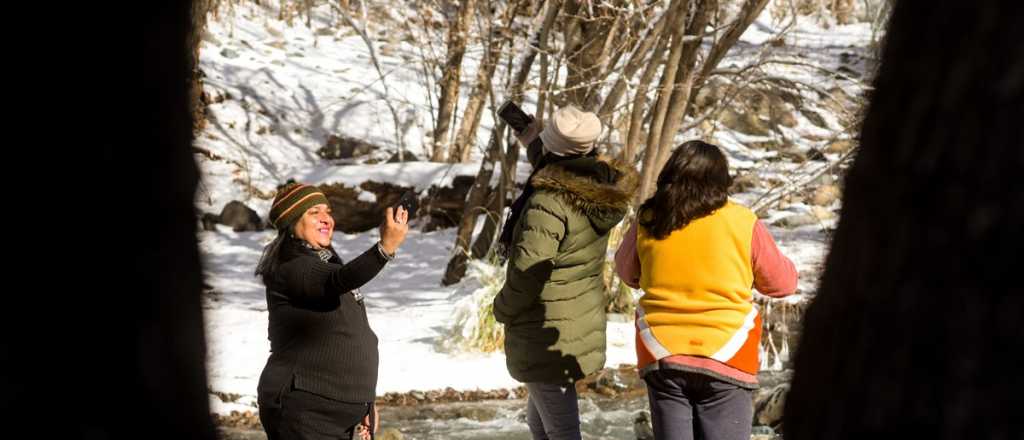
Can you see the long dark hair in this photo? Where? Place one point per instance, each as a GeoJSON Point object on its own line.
{"type": "Point", "coordinates": [272, 252]}
{"type": "Point", "coordinates": [693, 184]}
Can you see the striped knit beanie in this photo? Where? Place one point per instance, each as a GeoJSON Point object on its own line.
{"type": "Point", "coordinates": [292, 200]}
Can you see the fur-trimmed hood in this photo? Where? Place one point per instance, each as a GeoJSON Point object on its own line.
{"type": "Point", "coordinates": [599, 187]}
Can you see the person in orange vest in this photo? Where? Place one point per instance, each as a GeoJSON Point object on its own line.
{"type": "Point", "coordinates": [698, 256]}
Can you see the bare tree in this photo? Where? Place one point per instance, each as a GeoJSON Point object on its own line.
{"type": "Point", "coordinates": [458, 34]}
{"type": "Point", "coordinates": [363, 32]}
{"type": "Point", "coordinates": [198, 13]}
{"type": "Point", "coordinates": [481, 187]}
{"type": "Point", "coordinates": [498, 36]}
{"type": "Point", "coordinates": [915, 327]}
{"type": "Point", "coordinates": [668, 117]}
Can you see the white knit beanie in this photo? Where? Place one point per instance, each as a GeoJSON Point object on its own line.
{"type": "Point", "coordinates": [570, 131]}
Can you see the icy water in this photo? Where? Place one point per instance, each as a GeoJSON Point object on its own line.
{"type": "Point", "coordinates": [602, 419]}
{"type": "Point", "coordinates": [506, 420]}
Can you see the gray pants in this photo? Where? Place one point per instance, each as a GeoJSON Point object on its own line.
{"type": "Point", "coordinates": [687, 406]}
{"type": "Point", "coordinates": [552, 411]}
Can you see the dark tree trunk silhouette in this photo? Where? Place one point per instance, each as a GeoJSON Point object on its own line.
{"type": "Point", "coordinates": [917, 323]}
{"type": "Point", "coordinates": [132, 351]}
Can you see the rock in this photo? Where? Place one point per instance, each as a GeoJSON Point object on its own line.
{"type": "Point", "coordinates": [815, 118]}
{"type": "Point", "coordinates": [210, 38]}
{"type": "Point", "coordinates": [793, 155]}
{"type": "Point", "coordinates": [746, 182]}
{"type": "Point", "coordinates": [825, 195]}
{"type": "Point", "coordinates": [210, 221]}
{"type": "Point", "coordinates": [824, 179]}
{"type": "Point", "coordinates": [477, 413]}
{"type": "Point", "coordinates": [774, 108]}
{"type": "Point", "coordinates": [344, 147]}
{"type": "Point", "coordinates": [389, 434]}
{"type": "Point", "coordinates": [351, 215]}
{"type": "Point", "coordinates": [769, 145]}
{"type": "Point", "coordinates": [240, 217]}
{"type": "Point", "coordinates": [406, 157]}
{"type": "Point", "coordinates": [839, 102]}
{"type": "Point", "coordinates": [840, 146]}
{"type": "Point", "coordinates": [228, 53]}
{"type": "Point", "coordinates": [272, 31]}
{"type": "Point", "coordinates": [815, 155]}
{"type": "Point", "coordinates": [642, 426]}
{"type": "Point", "coordinates": [712, 92]}
{"type": "Point", "coordinates": [822, 213]}
{"type": "Point", "coordinates": [796, 220]}
{"type": "Point", "coordinates": [790, 199]}
{"type": "Point", "coordinates": [768, 405]}
{"type": "Point", "coordinates": [227, 433]}
{"type": "Point", "coordinates": [787, 119]}
{"type": "Point", "coordinates": [747, 123]}
{"type": "Point", "coordinates": [444, 205]}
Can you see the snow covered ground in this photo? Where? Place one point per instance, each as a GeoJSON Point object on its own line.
{"type": "Point", "coordinates": [279, 91]}
{"type": "Point", "coordinates": [407, 307]}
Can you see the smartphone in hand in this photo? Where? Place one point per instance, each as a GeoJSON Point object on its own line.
{"type": "Point", "coordinates": [410, 202]}
{"type": "Point", "coordinates": [514, 116]}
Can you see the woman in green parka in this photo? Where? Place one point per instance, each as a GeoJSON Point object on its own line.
{"type": "Point", "coordinates": [553, 302]}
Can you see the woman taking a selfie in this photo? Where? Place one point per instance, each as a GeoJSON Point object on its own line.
{"type": "Point", "coordinates": [320, 380]}
{"type": "Point", "coordinates": [698, 256]}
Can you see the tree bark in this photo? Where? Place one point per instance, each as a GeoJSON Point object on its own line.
{"type": "Point", "coordinates": [496, 40]}
{"type": "Point", "coordinates": [683, 84]}
{"type": "Point", "coordinates": [639, 104]}
{"type": "Point", "coordinates": [748, 13]}
{"type": "Point", "coordinates": [633, 64]}
{"type": "Point", "coordinates": [198, 12]}
{"type": "Point", "coordinates": [915, 330]}
{"type": "Point", "coordinates": [476, 198]}
{"type": "Point", "coordinates": [457, 36]}
{"type": "Point", "coordinates": [668, 75]}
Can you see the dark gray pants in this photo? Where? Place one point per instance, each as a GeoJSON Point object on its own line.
{"type": "Point", "coordinates": [301, 415]}
{"type": "Point", "coordinates": [688, 406]}
{"type": "Point", "coordinates": [552, 411]}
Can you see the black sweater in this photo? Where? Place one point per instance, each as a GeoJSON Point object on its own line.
{"type": "Point", "coordinates": [319, 334]}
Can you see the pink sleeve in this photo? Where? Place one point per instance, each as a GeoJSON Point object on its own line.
{"type": "Point", "coordinates": [627, 262]}
{"type": "Point", "coordinates": [774, 274]}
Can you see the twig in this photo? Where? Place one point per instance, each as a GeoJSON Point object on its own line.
{"type": "Point", "coordinates": [399, 135]}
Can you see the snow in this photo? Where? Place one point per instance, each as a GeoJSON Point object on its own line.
{"type": "Point", "coordinates": [279, 91]}
{"type": "Point", "coordinates": [406, 305]}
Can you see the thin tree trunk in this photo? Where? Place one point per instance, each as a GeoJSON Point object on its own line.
{"type": "Point", "coordinates": [683, 83]}
{"type": "Point", "coordinates": [668, 76]}
{"type": "Point", "coordinates": [197, 14]}
{"type": "Point", "coordinates": [637, 112]}
{"type": "Point", "coordinates": [477, 194]}
{"type": "Point", "coordinates": [466, 135]}
{"type": "Point", "coordinates": [457, 36]}
{"type": "Point", "coordinates": [545, 85]}
{"type": "Point", "coordinates": [748, 13]}
{"type": "Point", "coordinates": [632, 65]}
